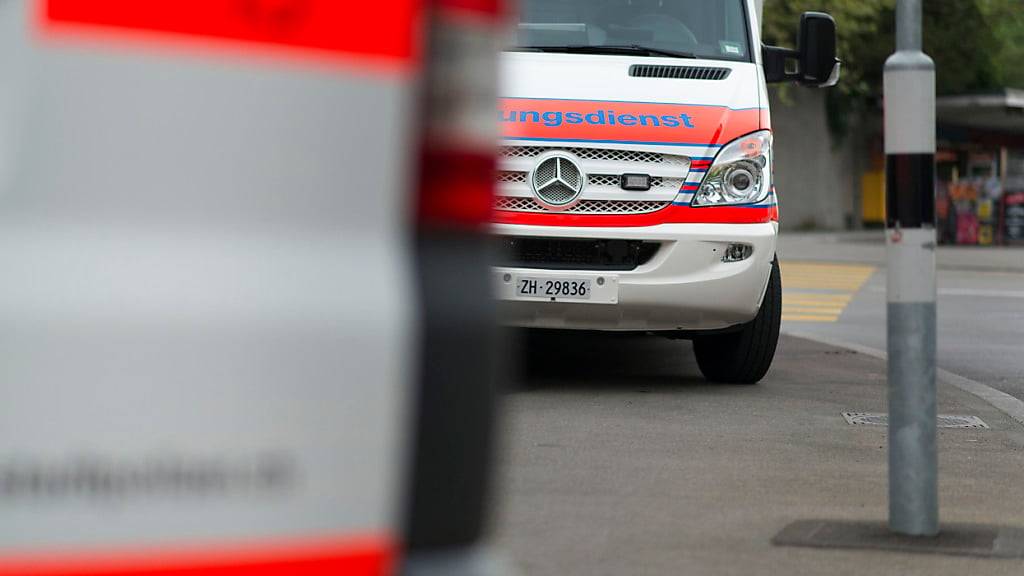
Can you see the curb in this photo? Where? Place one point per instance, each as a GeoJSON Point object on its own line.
{"type": "Point", "coordinates": [882, 264]}
{"type": "Point", "coordinates": [1009, 405]}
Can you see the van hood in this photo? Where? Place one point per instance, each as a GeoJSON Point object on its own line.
{"type": "Point", "coordinates": [594, 98]}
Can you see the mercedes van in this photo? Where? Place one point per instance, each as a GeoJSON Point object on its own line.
{"type": "Point", "coordinates": [635, 189]}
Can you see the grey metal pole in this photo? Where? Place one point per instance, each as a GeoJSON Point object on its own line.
{"type": "Point", "coordinates": [910, 227]}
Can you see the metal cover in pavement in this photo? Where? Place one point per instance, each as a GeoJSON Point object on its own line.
{"type": "Point", "coordinates": [944, 420]}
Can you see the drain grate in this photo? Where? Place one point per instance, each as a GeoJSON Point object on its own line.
{"type": "Point", "coordinates": [944, 420]}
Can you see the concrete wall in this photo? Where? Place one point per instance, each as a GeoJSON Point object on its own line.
{"type": "Point", "coordinates": [818, 183]}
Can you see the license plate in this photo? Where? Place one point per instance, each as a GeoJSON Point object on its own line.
{"type": "Point", "coordinates": [554, 288]}
{"type": "Point", "coordinates": [537, 287]}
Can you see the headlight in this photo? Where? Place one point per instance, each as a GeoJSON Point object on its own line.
{"type": "Point", "coordinates": [739, 174]}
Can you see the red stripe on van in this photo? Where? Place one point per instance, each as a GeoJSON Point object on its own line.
{"type": "Point", "coordinates": [670, 215]}
{"type": "Point", "coordinates": [625, 121]}
{"type": "Point", "coordinates": [349, 556]}
{"type": "Point", "coordinates": [385, 31]}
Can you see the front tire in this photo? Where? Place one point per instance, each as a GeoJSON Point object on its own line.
{"type": "Point", "coordinates": [744, 356]}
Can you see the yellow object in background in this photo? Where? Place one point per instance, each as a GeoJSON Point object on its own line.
{"type": "Point", "coordinates": [872, 195]}
{"type": "Point", "coordinates": [985, 210]}
{"type": "Point", "coordinates": [985, 235]}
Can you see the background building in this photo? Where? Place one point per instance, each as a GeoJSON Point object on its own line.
{"type": "Point", "coordinates": [830, 166]}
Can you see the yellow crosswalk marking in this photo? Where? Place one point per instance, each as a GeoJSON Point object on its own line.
{"type": "Point", "coordinates": [813, 306]}
{"type": "Point", "coordinates": [812, 310]}
{"type": "Point", "coordinates": [822, 296]}
{"type": "Point", "coordinates": [815, 276]}
{"type": "Point", "coordinates": [809, 318]}
{"type": "Point", "coordinates": [798, 298]}
{"type": "Point", "coordinates": [819, 292]}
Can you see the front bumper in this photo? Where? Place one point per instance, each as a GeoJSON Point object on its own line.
{"type": "Point", "coordinates": [685, 286]}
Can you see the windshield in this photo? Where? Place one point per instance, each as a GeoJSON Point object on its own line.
{"type": "Point", "coordinates": [687, 28]}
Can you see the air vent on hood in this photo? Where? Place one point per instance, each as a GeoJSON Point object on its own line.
{"type": "Point", "coordinates": [679, 72]}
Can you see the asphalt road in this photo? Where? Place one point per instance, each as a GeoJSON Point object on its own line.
{"type": "Point", "coordinates": [619, 459]}
{"type": "Point", "coordinates": [980, 321]}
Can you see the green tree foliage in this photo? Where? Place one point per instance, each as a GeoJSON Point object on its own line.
{"type": "Point", "coordinates": [977, 45]}
{"type": "Point", "coordinates": [861, 45]}
{"type": "Point", "coordinates": [1007, 18]}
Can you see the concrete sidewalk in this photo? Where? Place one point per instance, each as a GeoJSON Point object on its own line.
{"type": "Point", "coordinates": [621, 460]}
{"type": "Point", "coordinates": [868, 247]}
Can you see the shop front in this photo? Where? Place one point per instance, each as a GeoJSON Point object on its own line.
{"type": "Point", "coordinates": [980, 163]}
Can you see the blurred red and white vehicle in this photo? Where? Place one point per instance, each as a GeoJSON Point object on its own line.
{"type": "Point", "coordinates": [229, 344]}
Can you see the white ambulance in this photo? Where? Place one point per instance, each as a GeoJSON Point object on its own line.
{"type": "Point", "coordinates": [635, 172]}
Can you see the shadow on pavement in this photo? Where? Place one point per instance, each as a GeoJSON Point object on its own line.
{"type": "Point", "coordinates": [574, 359]}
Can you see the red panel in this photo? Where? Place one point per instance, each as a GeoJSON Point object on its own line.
{"type": "Point", "coordinates": [625, 121]}
{"type": "Point", "coordinates": [351, 557]}
{"type": "Point", "coordinates": [386, 30]}
{"type": "Point", "coordinates": [493, 7]}
{"type": "Point", "coordinates": [670, 215]}
{"type": "Point", "coordinates": [456, 188]}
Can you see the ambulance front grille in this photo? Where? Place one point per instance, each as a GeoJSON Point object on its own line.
{"type": "Point", "coordinates": [513, 204]}
{"type": "Point", "coordinates": [598, 154]}
{"type": "Point", "coordinates": [613, 180]}
{"type": "Point", "coordinates": [508, 177]}
{"type": "Point", "coordinates": [609, 180]}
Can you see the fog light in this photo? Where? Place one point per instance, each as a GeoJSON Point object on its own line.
{"type": "Point", "coordinates": [638, 182]}
{"type": "Point", "coordinates": [737, 252]}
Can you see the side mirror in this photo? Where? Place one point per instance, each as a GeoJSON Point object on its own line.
{"type": "Point", "coordinates": [814, 62]}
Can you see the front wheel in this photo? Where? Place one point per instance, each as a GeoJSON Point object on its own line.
{"type": "Point", "coordinates": [744, 356]}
